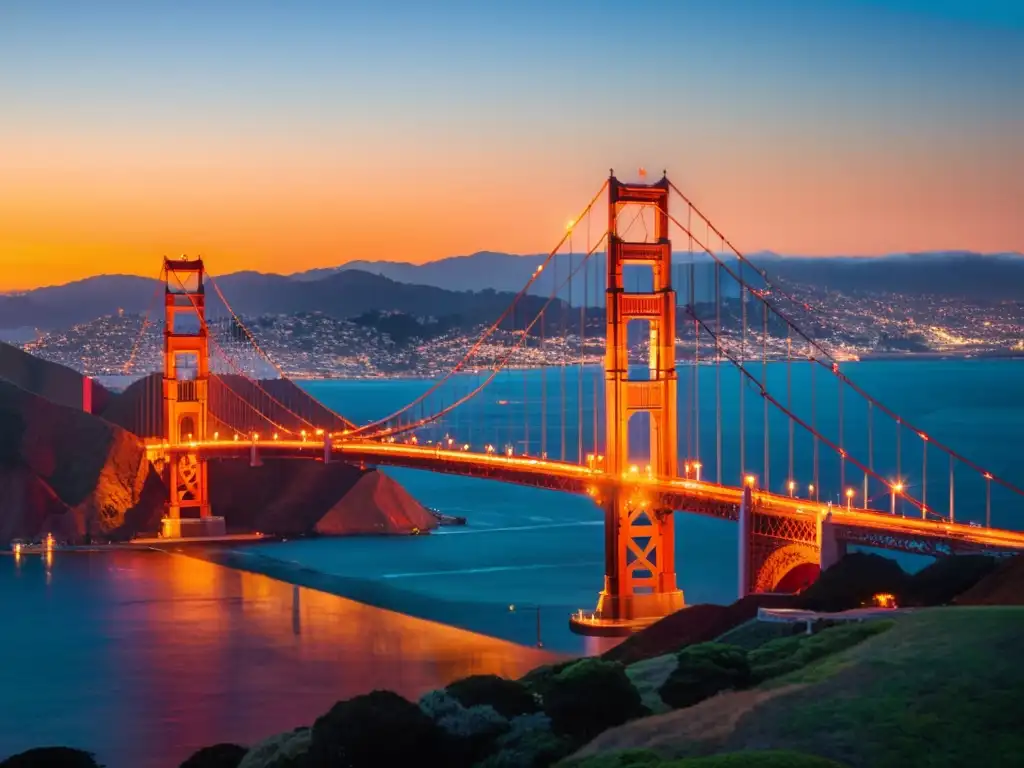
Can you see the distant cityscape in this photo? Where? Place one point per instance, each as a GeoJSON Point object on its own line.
{"type": "Point", "coordinates": [318, 345]}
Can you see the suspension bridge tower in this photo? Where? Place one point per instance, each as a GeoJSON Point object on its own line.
{"type": "Point", "coordinates": [640, 578]}
{"type": "Point", "coordinates": [186, 389]}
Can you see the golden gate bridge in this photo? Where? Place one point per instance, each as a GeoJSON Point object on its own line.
{"type": "Point", "coordinates": [220, 396]}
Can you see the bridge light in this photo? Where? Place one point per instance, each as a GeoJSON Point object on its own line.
{"type": "Point", "coordinates": [696, 467]}
{"type": "Point", "coordinates": [413, 440]}
{"type": "Point", "coordinates": [634, 469]}
{"type": "Point", "coordinates": [190, 437]}
{"type": "Point", "coordinates": [898, 487]}
{"type": "Point", "coordinates": [465, 447]}
{"type": "Point", "coordinates": [750, 480]}
{"type": "Point", "coordinates": [236, 437]}
{"type": "Point", "coordinates": [276, 436]}
{"type": "Point", "coordinates": [849, 498]}
{"type": "Point", "coordinates": [792, 487]}
{"type": "Point", "coordinates": [450, 441]}
{"type": "Point", "coordinates": [255, 436]}
{"type": "Point", "coordinates": [508, 451]}
{"type": "Point", "coordinates": [303, 435]}
{"type": "Point", "coordinates": [570, 224]}
{"type": "Point", "coordinates": [216, 435]}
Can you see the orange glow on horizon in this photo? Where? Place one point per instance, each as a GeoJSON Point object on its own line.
{"type": "Point", "coordinates": [99, 207]}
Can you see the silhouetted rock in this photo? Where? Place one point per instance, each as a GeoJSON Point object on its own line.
{"type": "Point", "coordinates": [71, 473]}
{"type": "Point", "coordinates": [51, 757]}
{"type": "Point", "coordinates": [217, 756]}
{"type": "Point", "coordinates": [948, 577]}
{"type": "Point", "coordinates": [853, 581]}
{"type": "Point", "coordinates": [1005, 586]}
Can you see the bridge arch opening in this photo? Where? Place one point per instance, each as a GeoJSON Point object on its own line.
{"type": "Point", "coordinates": [186, 429]}
{"type": "Point", "coordinates": [790, 568]}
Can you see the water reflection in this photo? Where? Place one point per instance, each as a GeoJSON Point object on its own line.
{"type": "Point", "coordinates": [155, 655]}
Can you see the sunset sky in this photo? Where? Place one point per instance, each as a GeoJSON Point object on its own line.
{"type": "Point", "coordinates": [285, 136]}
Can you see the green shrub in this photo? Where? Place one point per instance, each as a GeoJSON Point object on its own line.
{"type": "Point", "coordinates": [630, 758]}
{"type": "Point", "coordinates": [217, 756]}
{"type": "Point", "coordinates": [648, 676]}
{"type": "Point", "coordinates": [283, 750]}
{"type": "Point", "coordinates": [379, 728]}
{"type": "Point", "coordinates": [52, 757]}
{"type": "Point", "coordinates": [529, 743]}
{"type": "Point", "coordinates": [589, 697]}
{"type": "Point", "coordinates": [508, 697]}
{"type": "Point", "coordinates": [538, 680]}
{"type": "Point", "coordinates": [439, 704]}
{"type": "Point", "coordinates": [704, 670]}
{"type": "Point", "coordinates": [787, 654]}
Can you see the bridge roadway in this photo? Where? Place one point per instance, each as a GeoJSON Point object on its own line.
{"type": "Point", "coordinates": [859, 526]}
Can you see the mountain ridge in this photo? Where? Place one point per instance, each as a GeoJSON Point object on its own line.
{"type": "Point", "coordinates": [474, 285]}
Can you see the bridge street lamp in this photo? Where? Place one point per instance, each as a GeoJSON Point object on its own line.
{"type": "Point", "coordinates": [895, 489]}
{"type": "Point", "coordinates": [792, 488]}
{"type": "Point", "coordinates": [696, 469]}
{"type": "Point", "coordinates": [849, 499]}
{"type": "Point", "coordinates": [812, 492]}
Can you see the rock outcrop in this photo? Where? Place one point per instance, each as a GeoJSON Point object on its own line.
{"type": "Point", "coordinates": [301, 497]}
{"type": "Point", "coordinates": [77, 475]}
{"type": "Point", "coordinates": [376, 504]}
{"type": "Point", "coordinates": [71, 473]}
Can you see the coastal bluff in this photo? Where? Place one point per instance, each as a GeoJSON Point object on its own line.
{"type": "Point", "coordinates": [83, 477]}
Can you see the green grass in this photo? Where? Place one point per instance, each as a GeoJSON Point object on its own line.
{"type": "Point", "coordinates": [753, 634]}
{"type": "Point", "coordinates": [795, 653]}
{"type": "Point", "coordinates": [648, 676]}
{"type": "Point", "coordinates": [941, 689]}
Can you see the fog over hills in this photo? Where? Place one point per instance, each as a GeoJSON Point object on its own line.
{"type": "Point", "coordinates": [472, 286]}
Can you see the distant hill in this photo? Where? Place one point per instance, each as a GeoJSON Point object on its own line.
{"type": "Point", "coordinates": [341, 294]}
{"type": "Point", "coordinates": [478, 287]}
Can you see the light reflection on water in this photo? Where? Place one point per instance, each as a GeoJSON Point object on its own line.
{"type": "Point", "coordinates": [143, 657]}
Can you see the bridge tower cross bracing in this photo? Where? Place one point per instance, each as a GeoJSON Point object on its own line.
{"type": "Point", "coordinates": [186, 389]}
{"type": "Point", "coordinates": [640, 578]}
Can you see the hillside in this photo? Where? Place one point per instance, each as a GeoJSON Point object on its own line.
{"type": "Point", "coordinates": [340, 294]}
{"type": "Point", "coordinates": [477, 288]}
{"type": "Point", "coordinates": [56, 383]}
{"type": "Point", "coordinates": [70, 473]}
{"type": "Point", "coordinates": [940, 688]}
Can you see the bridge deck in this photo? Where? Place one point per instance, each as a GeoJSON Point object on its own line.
{"type": "Point", "coordinates": [867, 526]}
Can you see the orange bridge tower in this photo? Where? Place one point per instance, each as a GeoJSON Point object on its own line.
{"type": "Point", "coordinates": [640, 578]}
{"type": "Point", "coordinates": [186, 389]}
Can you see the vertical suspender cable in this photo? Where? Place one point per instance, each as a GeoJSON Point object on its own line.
{"type": "Point", "coordinates": [565, 342]}
{"type": "Point", "coordinates": [696, 343]}
{"type": "Point", "coordinates": [924, 477]}
{"type": "Point", "coordinates": [718, 372]}
{"type": "Point", "coordinates": [582, 342]}
{"type": "Point", "coordinates": [842, 453]}
{"type": "Point", "coordinates": [764, 388]}
{"type": "Point", "coordinates": [742, 379]}
{"type": "Point", "coordinates": [789, 395]}
{"type": "Point", "coordinates": [952, 516]}
{"type": "Point", "coordinates": [814, 421]}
